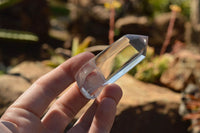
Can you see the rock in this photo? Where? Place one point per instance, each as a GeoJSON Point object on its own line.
{"type": "Point", "coordinates": [188, 54]}
{"type": "Point", "coordinates": [184, 71]}
{"type": "Point", "coordinates": [136, 92]}
{"type": "Point", "coordinates": [30, 70]}
{"type": "Point", "coordinates": [11, 87]}
{"type": "Point", "coordinates": [196, 68]}
{"type": "Point", "coordinates": [177, 76]}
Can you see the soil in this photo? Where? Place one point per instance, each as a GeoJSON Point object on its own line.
{"type": "Point", "coordinates": [155, 117]}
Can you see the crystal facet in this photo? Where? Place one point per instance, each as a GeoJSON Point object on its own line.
{"type": "Point", "coordinates": [101, 70]}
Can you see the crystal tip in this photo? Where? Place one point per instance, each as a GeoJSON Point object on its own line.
{"type": "Point", "coordinates": [139, 42]}
{"type": "Point", "coordinates": [132, 37]}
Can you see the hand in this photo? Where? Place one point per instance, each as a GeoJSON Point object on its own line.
{"type": "Point", "coordinates": [26, 114]}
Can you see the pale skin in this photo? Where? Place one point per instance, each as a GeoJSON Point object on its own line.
{"type": "Point", "coordinates": [26, 114]}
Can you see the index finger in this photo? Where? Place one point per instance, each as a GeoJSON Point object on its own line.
{"type": "Point", "coordinates": [37, 98]}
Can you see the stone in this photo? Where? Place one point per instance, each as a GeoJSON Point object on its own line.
{"type": "Point", "coordinates": [136, 92]}
{"type": "Point", "coordinates": [30, 70]}
{"type": "Point", "coordinates": [11, 87]}
{"type": "Point", "coordinates": [182, 72]}
{"type": "Point", "coordinates": [190, 55]}
{"type": "Point", "coordinates": [177, 76]}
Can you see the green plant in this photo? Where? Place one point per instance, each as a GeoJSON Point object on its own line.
{"type": "Point", "coordinates": [150, 69]}
{"type": "Point", "coordinates": [184, 5]}
{"type": "Point", "coordinates": [58, 8]}
{"type": "Point", "coordinates": [2, 72]}
{"type": "Point", "coordinates": [160, 6]}
{"type": "Point", "coordinates": [55, 61]}
{"type": "Point", "coordinates": [17, 35]}
{"type": "Point", "coordinates": [79, 48]}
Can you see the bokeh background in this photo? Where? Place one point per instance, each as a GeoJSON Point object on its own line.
{"type": "Point", "coordinates": [161, 94]}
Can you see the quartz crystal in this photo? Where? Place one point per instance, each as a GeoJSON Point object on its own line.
{"type": "Point", "coordinates": [110, 64]}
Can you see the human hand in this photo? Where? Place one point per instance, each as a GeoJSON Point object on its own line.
{"type": "Point", "coordinates": [26, 114]}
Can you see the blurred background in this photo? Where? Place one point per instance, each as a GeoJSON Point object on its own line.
{"type": "Point", "coordinates": [161, 94]}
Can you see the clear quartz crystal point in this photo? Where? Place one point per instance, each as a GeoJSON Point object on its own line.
{"type": "Point", "coordinates": [101, 70]}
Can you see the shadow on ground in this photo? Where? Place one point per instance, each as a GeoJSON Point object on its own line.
{"type": "Point", "coordinates": [156, 117]}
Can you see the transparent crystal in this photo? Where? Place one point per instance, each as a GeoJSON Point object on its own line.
{"type": "Point", "coordinates": [101, 70]}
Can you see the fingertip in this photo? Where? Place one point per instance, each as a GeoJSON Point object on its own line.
{"type": "Point", "coordinates": [104, 116]}
{"type": "Point", "coordinates": [88, 54]}
{"type": "Point", "coordinates": [111, 91]}
{"type": "Point", "coordinates": [85, 55]}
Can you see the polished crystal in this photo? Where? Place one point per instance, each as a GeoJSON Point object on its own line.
{"type": "Point", "coordinates": [101, 70]}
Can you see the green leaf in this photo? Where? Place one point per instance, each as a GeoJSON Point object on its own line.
{"type": "Point", "coordinates": [79, 48]}
{"type": "Point", "coordinates": [18, 35]}
{"type": "Point", "coordinates": [75, 44]}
